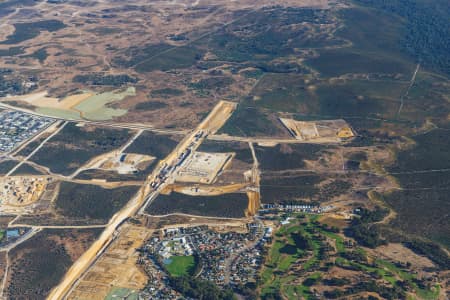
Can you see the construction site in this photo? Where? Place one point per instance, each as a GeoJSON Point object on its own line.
{"type": "Point", "coordinates": [161, 176]}
{"type": "Point", "coordinates": [319, 131]}
{"type": "Point", "coordinates": [204, 167]}
{"type": "Point", "coordinates": [117, 267]}
{"type": "Point", "coordinates": [126, 163]}
{"type": "Point", "coordinates": [204, 189]}
{"type": "Point", "coordinates": [20, 191]}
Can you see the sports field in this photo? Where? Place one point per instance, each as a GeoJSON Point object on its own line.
{"type": "Point", "coordinates": [180, 265]}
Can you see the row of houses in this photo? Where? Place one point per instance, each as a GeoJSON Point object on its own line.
{"type": "Point", "coordinates": [17, 127]}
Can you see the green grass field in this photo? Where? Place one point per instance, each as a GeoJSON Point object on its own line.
{"type": "Point", "coordinates": [298, 244]}
{"type": "Point", "coordinates": [285, 252]}
{"type": "Point", "coordinates": [122, 293]}
{"type": "Point", "coordinates": [181, 265]}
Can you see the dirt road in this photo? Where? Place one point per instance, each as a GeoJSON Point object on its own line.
{"type": "Point", "coordinates": [411, 83]}
{"type": "Point", "coordinates": [36, 149]}
{"type": "Point", "coordinates": [8, 248]}
{"type": "Point", "coordinates": [216, 118]}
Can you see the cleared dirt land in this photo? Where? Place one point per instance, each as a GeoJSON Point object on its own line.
{"type": "Point", "coordinates": [204, 167]}
{"type": "Point", "coordinates": [116, 268]}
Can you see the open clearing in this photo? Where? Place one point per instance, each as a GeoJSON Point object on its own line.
{"type": "Point", "coordinates": [122, 163]}
{"type": "Point", "coordinates": [323, 131]}
{"type": "Point", "coordinates": [43, 100]}
{"type": "Point", "coordinates": [85, 105]}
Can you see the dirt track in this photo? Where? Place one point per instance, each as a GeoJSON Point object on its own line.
{"type": "Point", "coordinates": [217, 117]}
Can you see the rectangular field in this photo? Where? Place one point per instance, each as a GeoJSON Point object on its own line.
{"type": "Point", "coordinates": [227, 205]}
{"type": "Point", "coordinates": [203, 167]}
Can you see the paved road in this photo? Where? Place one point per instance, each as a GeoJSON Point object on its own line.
{"type": "Point", "coordinates": [133, 126]}
{"type": "Point", "coordinates": [8, 248]}
{"type": "Point", "coordinates": [22, 239]}
{"type": "Point", "coordinates": [88, 165]}
{"type": "Point", "coordinates": [36, 149]}
{"type": "Point", "coordinates": [57, 226]}
{"type": "Point", "coordinates": [234, 256]}
{"type": "Point", "coordinates": [216, 118]}
{"type": "Point", "coordinates": [192, 216]}
{"type": "Point", "coordinates": [274, 141]}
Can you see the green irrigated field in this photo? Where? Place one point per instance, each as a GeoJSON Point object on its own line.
{"type": "Point", "coordinates": [293, 243]}
{"type": "Point", "coordinates": [304, 252]}
{"type": "Point", "coordinates": [122, 293]}
{"type": "Point", "coordinates": [180, 265]}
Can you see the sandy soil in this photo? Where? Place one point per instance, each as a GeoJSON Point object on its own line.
{"type": "Point", "coordinates": [66, 103]}
{"type": "Point", "coordinates": [116, 268]}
